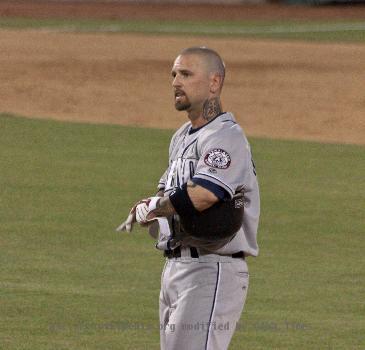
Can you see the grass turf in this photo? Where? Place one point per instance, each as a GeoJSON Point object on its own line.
{"type": "Point", "coordinates": [351, 31]}
{"type": "Point", "coordinates": [68, 281]}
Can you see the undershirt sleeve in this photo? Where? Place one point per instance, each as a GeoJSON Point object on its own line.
{"type": "Point", "coordinates": [219, 191]}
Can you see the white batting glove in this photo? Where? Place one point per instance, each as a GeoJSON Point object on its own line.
{"type": "Point", "coordinates": [145, 208]}
{"type": "Point", "coordinates": [127, 225]}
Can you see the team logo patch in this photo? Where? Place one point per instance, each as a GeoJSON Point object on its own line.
{"type": "Point", "coordinates": [218, 158]}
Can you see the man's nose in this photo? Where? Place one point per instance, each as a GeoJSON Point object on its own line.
{"type": "Point", "coordinates": [176, 82]}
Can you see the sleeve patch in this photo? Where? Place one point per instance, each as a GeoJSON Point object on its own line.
{"type": "Point", "coordinates": [218, 158]}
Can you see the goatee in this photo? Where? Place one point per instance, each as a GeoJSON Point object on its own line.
{"type": "Point", "coordinates": [182, 106]}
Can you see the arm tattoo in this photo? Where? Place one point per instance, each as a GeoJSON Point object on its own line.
{"type": "Point", "coordinates": [191, 184]}
{"type": "Point", "coordinates": [212, 108]}
{"type": "Point", "coordinates": [164, 207]}
{"type": "Point", "coordinates": [160, 193]}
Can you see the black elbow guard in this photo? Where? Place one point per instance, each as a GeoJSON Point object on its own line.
{"type": "Point", "coordinates": [217, 223]}
{"type": "Point", "coordinates": [182, 203]}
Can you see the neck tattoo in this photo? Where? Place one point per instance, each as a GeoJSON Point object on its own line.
{"type": "Point", "coordinates": [211, 108]}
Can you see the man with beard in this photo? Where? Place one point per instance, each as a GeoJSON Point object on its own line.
{"type": "Point", "coordinates": [204, 281]}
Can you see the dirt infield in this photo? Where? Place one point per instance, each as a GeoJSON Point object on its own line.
{"type": "Point", "coordinates": [278, 89]}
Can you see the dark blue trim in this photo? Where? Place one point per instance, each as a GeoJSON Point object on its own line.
{"type": "Point", "coordinates": [211, 312]}
{"type": "Point", "coordinates": [228, 120]}
{"type": "Point", "coordinates": [219, 191]}
{"type": "Point", "coordinates": [192, 142]}
{"type": "Point", "coordinates": [192, 131]}
{"type": "Point", "coordinates": [203, 174]}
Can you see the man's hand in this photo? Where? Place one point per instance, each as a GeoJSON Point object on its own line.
{"type": "Point", "coordinates": [141, 212]}
{"type": "Point", "coordinates": [127, 225]}
{"type": "Point", "coordinates": [145, 210]}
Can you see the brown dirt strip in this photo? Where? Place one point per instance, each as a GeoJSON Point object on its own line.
{"type": "Point", "coordinates": [118, 10]}
{"type": "Point", "coordinates": [277, 89]}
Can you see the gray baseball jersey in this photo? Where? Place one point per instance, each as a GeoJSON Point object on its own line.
{"type": "Point", "coordinates": [218, 157]}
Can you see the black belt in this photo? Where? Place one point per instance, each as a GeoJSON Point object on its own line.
{"type": "Point", "coordinates": [176, 253]}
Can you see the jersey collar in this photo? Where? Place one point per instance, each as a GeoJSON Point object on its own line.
{"type": "Point", "coordinates": [193, 131]}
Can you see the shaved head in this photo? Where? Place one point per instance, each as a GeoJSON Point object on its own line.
{"type": "Point", "coordinates": [211, 59]}
{"type": "Point", "coordinates": [197, 81]}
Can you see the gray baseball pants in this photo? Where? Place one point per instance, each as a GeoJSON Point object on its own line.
{"type": "Point", "coordinates": [201, 300]}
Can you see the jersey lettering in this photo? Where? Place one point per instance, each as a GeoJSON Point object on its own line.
{"type": "Point", "coordinates": [181, 171]}
{"type": "Point", "coordinates": [191, 168]}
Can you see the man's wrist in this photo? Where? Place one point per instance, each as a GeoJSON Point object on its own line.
{"type": "Point", "coordinates": [164, 207]}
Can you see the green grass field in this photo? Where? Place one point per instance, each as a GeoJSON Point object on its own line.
{"type": "Point", "coordinates": [352, 31]}
{"type": "Point", "coordinates": [68, 281]}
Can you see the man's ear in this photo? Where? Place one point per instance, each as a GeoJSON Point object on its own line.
{"type": "Point", "coordinates": [215, 82]}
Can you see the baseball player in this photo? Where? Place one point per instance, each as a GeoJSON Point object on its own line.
{"type": "Point", "coordinates": [205, 279]}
